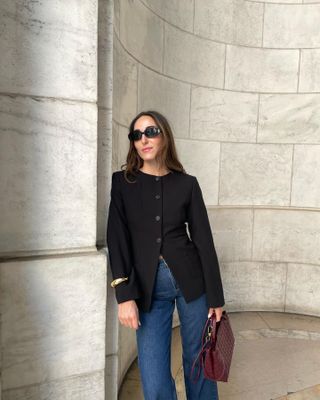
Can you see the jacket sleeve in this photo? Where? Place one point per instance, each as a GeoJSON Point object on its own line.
{"type": "Point", "coordinates": [201, 235]}
{"type": "Point", "coordinates": [119, 246]}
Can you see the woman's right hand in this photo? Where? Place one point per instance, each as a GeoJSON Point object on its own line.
{"type": "Point", "coordinates": [128, 314]}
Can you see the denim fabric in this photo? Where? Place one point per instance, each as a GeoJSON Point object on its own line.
{"type": "Point", "coordinates": [154, 341]}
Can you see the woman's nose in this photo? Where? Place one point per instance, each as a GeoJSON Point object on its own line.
{"type": "Point", "coordinates": [144, 138]}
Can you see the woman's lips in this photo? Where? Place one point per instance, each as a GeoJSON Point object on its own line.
{"type": "Point", "coordinates": [147, 149]}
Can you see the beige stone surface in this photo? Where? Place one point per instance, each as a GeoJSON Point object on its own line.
{"type": "Point", "coordinates": [190, 152]}
{"type": "Point", "coordinates": [305, 180]}
{"type": "Point", "coordinates": [105, 143]}
{"type": "Point", "coordinates": [49, 49]}
{"type": "Point", "coordinates": [141, 32]}
{"type": "Point", "coordinates": [257, 174]}
{"type": "Point", "coordinates": [105, 60]}
{"type": "Point", "coordinates": [52, 319]}
{"type": "Point", "coordinates": [116, 150]}
{"type": "Point", "coordinates": [123, 145]}
{"type": "Point", "coordinates": [182, 54]}
{"type": "Point", "coordinates": [312, 393]}
{"type": "Point", "coordinates": [286, 235]}
{"type": "Point", "coordinates": [220, 115]}
{"type": "Point", "coordinates": [125, 85]}
{"type": "Point", "coordinates": [282, 1]}
{"type": "Point", "coordinates": [261, 70]}
{"type": "Point", "coordinates": [229, 21]}
{"type": "Point", "coordinates": [254, 285]}
{"type": "Point", "coordinates": [288, 320]}
{"type": "Point", "coordinates": [287, 26]}
{"type": "Point", "coordinates": [241, 321]}
{"type": "Point", "coordinates": [48, 152]}
{"type": "Point", "coordinates": [82, 387]}
{"type": "Point", "coordinates": [154, 88]}
{"type": "Point", "coordinates": [116, 17]}
{"type": "Point", "coordinates": [176, 12]}
{"type": "Point", "coordinates": [309, 80]}
{"type": "Point", "coordinates": [289, 118]}
{"type": "Point", "coordinates": [232, 230]}
{"type": "Point", "coordinates": [302, 294]}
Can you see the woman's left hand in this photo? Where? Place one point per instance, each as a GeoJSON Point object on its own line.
{"type": "Point", "coordinates": [218, 311]}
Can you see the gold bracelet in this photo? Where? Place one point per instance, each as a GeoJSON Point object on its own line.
{"type": "Point", "coordinates": [117, 281]}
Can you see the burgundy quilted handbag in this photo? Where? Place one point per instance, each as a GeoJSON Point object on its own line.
{"type": "Point", "coordinates": [217, 346]}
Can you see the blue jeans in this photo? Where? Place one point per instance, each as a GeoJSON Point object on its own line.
{"type": "Point", "coordinates": [154, 341]}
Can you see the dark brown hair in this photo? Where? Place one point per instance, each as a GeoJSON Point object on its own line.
{"type": "Point", "coordinates": [167, 155]}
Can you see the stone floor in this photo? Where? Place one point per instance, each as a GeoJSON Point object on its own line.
{"type": "Point", "coordinates": [276, 357]}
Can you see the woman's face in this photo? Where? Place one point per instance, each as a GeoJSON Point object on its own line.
{"type": "Point", "coordinates": [147, 148]}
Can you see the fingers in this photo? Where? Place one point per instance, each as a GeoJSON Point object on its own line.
{"type": "Point", "coordinates": [130, 322]}
{"type": "Point", "coordinates": [128, 314]}
{"type": "Point", "coordinates": [218, 312]}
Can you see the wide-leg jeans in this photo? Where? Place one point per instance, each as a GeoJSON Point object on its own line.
{"type": "Point", "coordinates": [154, 341]}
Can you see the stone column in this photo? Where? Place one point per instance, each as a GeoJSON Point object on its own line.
{"type": "Point", "coordinates": [53, 279]}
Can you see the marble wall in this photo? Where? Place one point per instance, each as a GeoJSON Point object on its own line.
{"type": "Point", "coordinates": [239, 82]}
{"type": "Point", "coordinates": [53, 279]}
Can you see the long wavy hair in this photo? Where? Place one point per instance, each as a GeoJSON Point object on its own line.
{"type": "Point", "coordinates": [167, 156]}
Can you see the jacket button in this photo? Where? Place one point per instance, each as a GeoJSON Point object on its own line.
{"type": "Point", "coordinates": [158, 240]}
{"type": "Point", "coordinates": [157, 196]}
{"type": "Point", "coordinates": [157, 178]}
{"type": "Point", "coordinates": [157, 218]}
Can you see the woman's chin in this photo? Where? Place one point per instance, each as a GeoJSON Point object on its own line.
{"type": "Point", "coordinates": [147, 157]}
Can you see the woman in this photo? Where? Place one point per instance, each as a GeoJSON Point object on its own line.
{"type": "Point", "coordinates": [156, 263]}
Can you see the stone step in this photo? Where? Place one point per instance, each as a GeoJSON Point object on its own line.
{"type": "Point", "coordinates": [311, 393]}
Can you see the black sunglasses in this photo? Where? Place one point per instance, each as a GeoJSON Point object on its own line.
{"type": "Point", "coordinates": [150, 132]}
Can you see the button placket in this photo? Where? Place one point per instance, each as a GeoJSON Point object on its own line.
{"type": "Point", "coordinates": [158, 217]}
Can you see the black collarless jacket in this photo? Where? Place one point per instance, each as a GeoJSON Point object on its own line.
{"type": "Point", "coordinates": [147, 218]}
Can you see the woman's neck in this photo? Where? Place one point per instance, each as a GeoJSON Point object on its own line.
{"type": "Point", "coordinates": [148, 169]}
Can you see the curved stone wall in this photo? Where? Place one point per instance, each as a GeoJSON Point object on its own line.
{"type": "Point", "coordinates": [239, 82]}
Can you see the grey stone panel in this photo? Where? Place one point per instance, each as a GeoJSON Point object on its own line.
{"type": "Point", "coordinates": [229, 21]}
{"type": "Point", "coordinates": [48, 152]}
{"type": "Point", "coordinates": [286, 236]}
{"type": "Point", "coordinates": [193, 59]}
{"type": "Point", "coordinates": [306, 177]}
{"type": "Point", "coordinates": [254, 285]}
{"type": "Point", "coordinates": [309, 71]}
{"type": "Point", "coordinates": [302, 295]}
{"type": "Point", "coordinates": [49, 48]}
{"type": "Point", "coordinates": [125, 84]}
{"type": "Point", "coordinates": [81, 387]}
{"type": "Point", "coordinates": [258, 174]}
{"type": "Point", "coordinates": [288, 26]}
{"type": "Point", "coordinates": [53, 319]}
{"type": "Point", "coordinates": [223, 115]}
{"type": "Point", "coordinates": [232, 233]}
{"type": "Point", "coordinates": [289, 118]}
{"type": "Point", "coordinates": [168, 96]}
{"type": "Point", "coordinates": [176, 12]}
{"type": "Point", "coordinates": [116, 19]}
{"type": "Point", "coordinates": [207, 172]}
{"type": "Point", "coordinates": [261, 70]}
{"type": "Point", "coordinates": [278, 1]}
{"type": "Point", "coordinates": [123, 145]}
{"type": "Point", "coordinates": [141, 32]}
